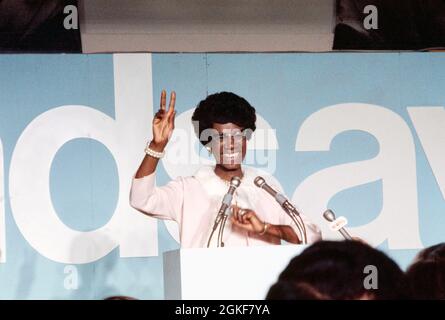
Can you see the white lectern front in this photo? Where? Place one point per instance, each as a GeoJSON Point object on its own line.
{"type": "Point", "coordinates": [238, 273]}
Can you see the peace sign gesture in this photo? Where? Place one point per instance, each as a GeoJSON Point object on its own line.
{"type": "Point", "coordinates": [164, 121]}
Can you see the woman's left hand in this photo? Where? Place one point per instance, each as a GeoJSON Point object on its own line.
{"type": "Point", "coordinates": [247, 220]}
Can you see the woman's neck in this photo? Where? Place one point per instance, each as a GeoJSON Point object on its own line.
{"type": "Point", "coordinates": [228, 174]}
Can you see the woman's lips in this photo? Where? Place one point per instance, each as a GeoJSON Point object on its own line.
{"type": "Point", "coordinates": [232, 158]}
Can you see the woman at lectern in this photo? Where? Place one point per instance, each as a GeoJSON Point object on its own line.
{"type": "Point", "coordinates": [224, 123]}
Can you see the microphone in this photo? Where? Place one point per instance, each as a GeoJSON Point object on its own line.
{"type": "Point", "coordinates": [221, 217]}
{"type": "Point", "coordinates": [337, 224]}
{"type": "Point", "coordinates": [281, 199]}
{"type": "Point", "coordinates": [285, 204]}
{"type": "Point", "coordinates": [227, 200]}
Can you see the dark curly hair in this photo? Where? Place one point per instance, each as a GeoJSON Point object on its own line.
{"type": "Point", "coordinates": [426, 280]}
{"type": "Point", "coordinates": [434, 252]}
{"type": "Point", "coordinates": [335, 270]}
{"type": "Point", "coordinates": [223, 107]}
{"type": "Point", "coordinates": [426, 276]}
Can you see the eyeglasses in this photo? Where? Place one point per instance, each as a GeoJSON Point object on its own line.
{"type": "Point", "coordinates": [225, 136]}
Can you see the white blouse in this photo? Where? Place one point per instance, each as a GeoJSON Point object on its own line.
{"type": "Point", "coordinates": [193, 202]}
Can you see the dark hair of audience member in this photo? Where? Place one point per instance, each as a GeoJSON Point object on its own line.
{"type": "Point", "coordinates": [335, 270]}
{"type": "Point", "coordinates": [426, 276]}
{"type": "Point", "coordinates": [120, 298]}
{"type": "Point", "coordinates": [434, 252]}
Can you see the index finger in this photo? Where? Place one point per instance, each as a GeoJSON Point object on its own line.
{"type": "Point", "coordinates": [163, 100]}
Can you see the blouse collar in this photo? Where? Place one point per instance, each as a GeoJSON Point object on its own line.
{"type": "Point", "coordinates": [215, 187]}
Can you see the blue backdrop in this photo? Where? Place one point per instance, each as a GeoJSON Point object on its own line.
{"type": "Point", "coordinates": [284, 88]}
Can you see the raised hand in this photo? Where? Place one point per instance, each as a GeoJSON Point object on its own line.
{"type": "Point", "coordinates": [163, 122]}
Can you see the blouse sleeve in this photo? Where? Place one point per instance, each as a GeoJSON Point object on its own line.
{"type": "Point", "coordinates": [164, 202]}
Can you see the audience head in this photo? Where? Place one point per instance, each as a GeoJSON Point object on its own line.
{"type": "Point", "coordinates": [339, 270]}
{"type": "Point", "coordinates": [435, 252]}
{"type": "Point", "coordinates": [120, 298]}
{"type": "Point", "coordinates": [426, 276]}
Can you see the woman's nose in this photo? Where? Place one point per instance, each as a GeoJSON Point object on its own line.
{"type": "Point", "coordinates": [231, 143]}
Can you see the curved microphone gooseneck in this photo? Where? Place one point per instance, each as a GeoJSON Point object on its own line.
{"type": "Point", "coordinates": [222, 215]}
{"type": "Point", "coordinates": [285, 204]}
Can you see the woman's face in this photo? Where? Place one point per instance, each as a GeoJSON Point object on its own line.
{"type": "Point", "coordinates": [228, 145]}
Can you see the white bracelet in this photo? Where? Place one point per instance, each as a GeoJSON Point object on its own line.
{"type": "Point", "coordinates": [154, 154]}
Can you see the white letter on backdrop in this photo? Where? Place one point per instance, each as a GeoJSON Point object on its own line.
{"type": "Point", "coordinates": [125, 137]}
{"type": "Point", "coordinates": [395, 165]}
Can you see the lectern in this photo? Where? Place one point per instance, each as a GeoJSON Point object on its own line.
{"type": "Point", "coordinates": [230, 273]}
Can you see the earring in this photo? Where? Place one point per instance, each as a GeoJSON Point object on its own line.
{"type": "Point", "coordinates": [209, 150]}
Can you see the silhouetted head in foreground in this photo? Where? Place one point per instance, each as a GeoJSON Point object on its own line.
{"type": "Point", "coordinates": [426, 276]}
{"type": "Point", "coordinates": [339, 270]}
{"type": "Point", "coordinates": [436, 252]}
{"type": "Point", "coordinates": [120, 298]}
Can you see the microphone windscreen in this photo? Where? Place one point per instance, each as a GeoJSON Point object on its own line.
{"type": "Point", "coordinates": [235, 182]}
{"type": "Point", "coordinates": [329, 215]}
{"type": "Point", "coordinates": [259, 181]}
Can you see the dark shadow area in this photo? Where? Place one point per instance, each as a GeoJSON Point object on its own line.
{"type": "Point", "coordinates": [37, 26]}
{"type": "Point", "coordinates": [402, 25]}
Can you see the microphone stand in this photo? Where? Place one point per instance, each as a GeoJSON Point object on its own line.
{"type": "Point", "coordinates": [285, 205]}
{"type": "Point", "coordinates": [295, 216]}
{"type": "Point", "coordinates": [220, 222]}
{"type": "Point", "coordinates": [215, 225]}
{"type": "Point", "coordinates": [221, 229]}
{"type": "Point", "coordinates": [293, 213]}
{"type": "Point", "coordinates": [223, 212]}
